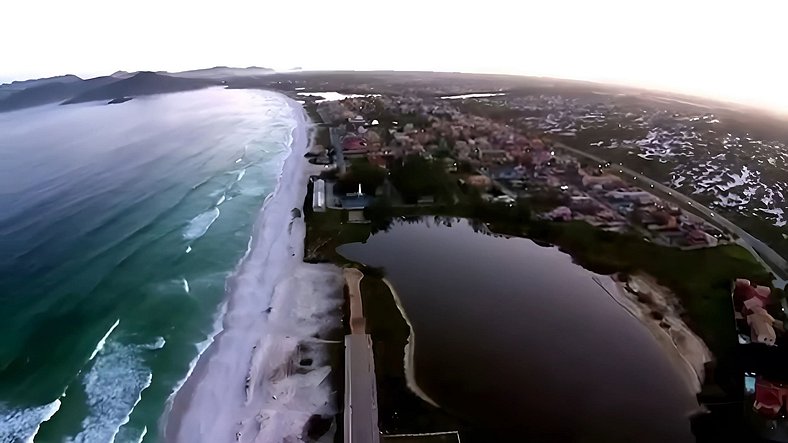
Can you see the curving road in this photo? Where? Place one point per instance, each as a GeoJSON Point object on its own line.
{"type": "Point", "coordinates": [768, 256]}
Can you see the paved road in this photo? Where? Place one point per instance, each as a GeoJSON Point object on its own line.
{"type": "Point", "coordinates": [334, 136]}
{"type": "Point", "coordinates": [361, 408]}
{"type": "Point", "coordinates": [353, 279]}
{"type": "Point", "coordinates": [769, 257]}
{"type": "Point", "coordinates": [361, 396]}
{"type": "Point", "coordinates": [339, 158]}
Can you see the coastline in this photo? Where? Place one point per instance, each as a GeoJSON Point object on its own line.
{"type": "Point", "coordinates": [409, 351]}
{"type": "Point", "coordinates": [684, 348]}
{"type": "Point", "coordinates": [264, 375]}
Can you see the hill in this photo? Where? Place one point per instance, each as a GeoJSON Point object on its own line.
{"type": "Point", "coordinates": [8, 89]}
{"type": "Point", "coordinates": [143, 83]}
{"type": "Point", "coordinates": [18, 85]}
{"type": "Point", "coordinates": [50, 92]}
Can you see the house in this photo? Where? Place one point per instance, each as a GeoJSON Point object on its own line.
{"type": "Point", "coordinates": [354, 123]}
{"type": "Point", "coordinates": [606, 181]}
{"type": "Point", "coordinates": [641, 197]}
{"type": "Point", "coordinates": [479, 181]}
{"type": "Point", "coordinates": [561, 213]}
{"type": "Point", "coordinates": [583, 204]}
{"type": "Point", "coordinates": [354, 146]}
{"type": "Point", "coordinates": [319, 195]}
{"type": "Point", "coordinates": [697, 237]}
{"type": "Point", "coordinates": [761, 329]}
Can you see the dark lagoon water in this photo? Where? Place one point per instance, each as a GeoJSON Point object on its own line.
{"type": "Point", "coordinates": [118, 228]}
{"type": "Point", "coordinates": [516, 338]}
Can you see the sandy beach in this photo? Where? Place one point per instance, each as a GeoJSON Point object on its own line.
{"type": "Point", "coordinates": [266, 374]}
{"type": "Point", "coordinates": [685, 349]}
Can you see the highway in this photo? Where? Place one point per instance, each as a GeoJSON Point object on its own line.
{"type": "Point", "coordinates": [768, 256]}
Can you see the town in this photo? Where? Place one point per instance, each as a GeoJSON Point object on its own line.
{"type": "Point", "coordinates": [405, 156]}
{"type": "Point", "coordinates": [374, 136]}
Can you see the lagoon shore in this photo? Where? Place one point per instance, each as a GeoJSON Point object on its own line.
{"type": "Point", "coordinates": [265, 377]}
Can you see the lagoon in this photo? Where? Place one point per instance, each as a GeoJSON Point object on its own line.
{"type": "Point", "coordinates": [516, 339]}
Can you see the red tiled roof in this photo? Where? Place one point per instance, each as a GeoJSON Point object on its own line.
{"type": "Point", "coordinates": [354, 143]}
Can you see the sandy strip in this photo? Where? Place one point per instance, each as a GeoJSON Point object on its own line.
{"type": "Point", "coordinates": [409, 352]}
{"type": "Point", "coordinates": [685, 349]}
{"type": "Point", "coordinates": [266, 373]}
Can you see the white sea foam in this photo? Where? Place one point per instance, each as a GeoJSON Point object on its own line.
{"type": "Point", "coordinates": [260, 343]}
{"type": "Point", "coordinates": [158, 344]}
{"type": "Point", "coordinates": [221, 200]}
{"type": "Point", "coordinates": [142, 435]}
{"type": "Point", "coordinates": [201, 347]}
{"type": "Point", "coordinates": [241, 175]}
{"type": "Point", "coordinates": [185, 285]}
{"type": "Point", "coordinates": [103, 341]}
{"type": "Point", "coordinates": [22, 424]}
{"type": "Point", "coordinates": [113, 386]}
{"type": "Point", "coordinates": [199, 225]}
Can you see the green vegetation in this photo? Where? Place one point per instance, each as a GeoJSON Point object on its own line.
{"type": "Point", "coordinates": [491, 110]}
{"type": "Point", "coordinates": [370, 176]}
{"type": "Point", "coordinates": [417, 177]}
{"type": "Point", "coordinates": [328, 230]}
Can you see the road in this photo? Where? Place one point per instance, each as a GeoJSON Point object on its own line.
{"type": "Point", "coordinates": [353, 280]}
{"type": "Point", "coordinates": [361, 397]}
{"type": "Point", "coordinates": [334, 135]}
{"type": "Point", "coordinates": [768, 256]}
{"type": "Point", "coordinates": [339, 157]}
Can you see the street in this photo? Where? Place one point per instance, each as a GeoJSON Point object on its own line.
{"type": "Point", "coordinates": [769, 257]}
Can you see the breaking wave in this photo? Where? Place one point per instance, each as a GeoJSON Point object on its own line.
{"type": "Point", "coordinates": [199, 225]}
{"type": "Point", "coordinates": [23, 424]}
{"type": "Point", "coordinates": [113, 386]}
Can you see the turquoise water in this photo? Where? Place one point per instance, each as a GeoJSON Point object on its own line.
{"type": "Point", "coordinates": [118, 228]}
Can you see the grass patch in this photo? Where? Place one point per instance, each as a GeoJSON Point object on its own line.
{"type": "Point", "coordinates": [326, 231]}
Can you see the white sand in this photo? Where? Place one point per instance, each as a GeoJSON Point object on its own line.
{"type": "Point", "coordinates": [686, 350]}
{"type": "Point", "coordinates": [249, 385]}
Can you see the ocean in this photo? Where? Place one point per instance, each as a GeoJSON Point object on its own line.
{"type": "Point", "coordinates": [119, 226]}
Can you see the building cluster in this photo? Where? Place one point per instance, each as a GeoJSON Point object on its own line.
{"type": "Point", "coordinates": [761, 338]}
{"type": "Point", "coordinates": [513, 162]}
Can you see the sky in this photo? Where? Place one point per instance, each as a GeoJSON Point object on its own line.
{"type": "Point", "coordinates": [729, 50]}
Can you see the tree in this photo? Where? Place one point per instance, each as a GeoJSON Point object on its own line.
{"type": "Point", "coordinates": [368, 175]}
{"type": "Point", "coordinates": [465, 167]}
{"type": "Point", "coordinates": [417, 177]}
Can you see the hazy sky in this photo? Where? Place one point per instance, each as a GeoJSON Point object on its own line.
{"type": "Point", "coordinates": [729, 50]}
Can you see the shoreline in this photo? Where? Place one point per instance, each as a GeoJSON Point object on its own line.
{"type": "Point", "coordinates": [409, 351]}
{"type": "Point", "coordinates": [684, 348]}
{"type": "Point", "coordinates": [276, 306]}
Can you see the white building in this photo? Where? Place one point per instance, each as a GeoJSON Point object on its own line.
{"type": "Point", "coordinates": [319, 195]}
